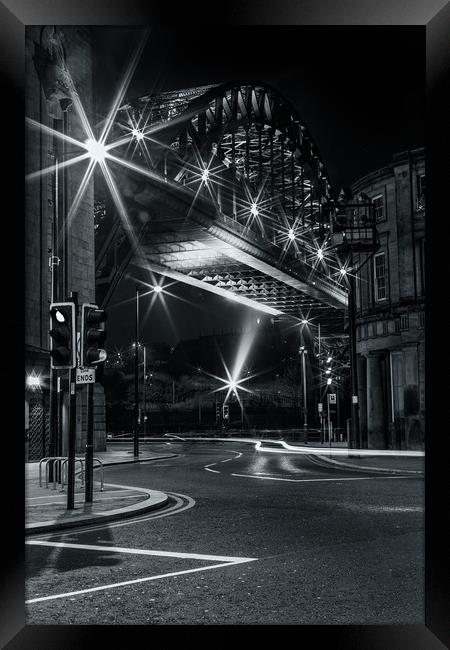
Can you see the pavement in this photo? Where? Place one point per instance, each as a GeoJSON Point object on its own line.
{"type": "Point", "coordinates": [46, 506]}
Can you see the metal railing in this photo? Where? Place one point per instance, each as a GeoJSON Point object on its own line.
{"type": "Point", "coordinates": [59, 466]}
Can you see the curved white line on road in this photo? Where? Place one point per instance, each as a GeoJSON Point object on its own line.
{"type": "Point", "coordinates": [216, 471]}
{"type": "Point", "coordinates": [335, 450]}
{"type": "Point", "coordinates": [316, 480]}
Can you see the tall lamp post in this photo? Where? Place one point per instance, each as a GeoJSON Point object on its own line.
{"type": "Point", "coordinates": [145, 392]}
{"type": "Point", "coordinates": [354, 231]}
{"type": "Point", "coordinates": [304, 352]}
{"type": "Point", "coordinates": [136, 379]}
{"type": "Point", "coordinates": [355, 439]}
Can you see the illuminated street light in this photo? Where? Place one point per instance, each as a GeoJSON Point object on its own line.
{"type": "Point", "coordinates": [258, 320]}
{"type": "Point", "coordinates": [329, 381]}
{"type": "Point", "coordinates": [137, 134]}
{"type": "Point", "coordinates": [327, 372]}
{"type": "Point", "coordinates": [291, 234]}
{"type": "Point", "coordinates": [320, 254]}
{"type": "Point", "coordinates": [254, 210]}
{"type": "Point", "coordinates": [33, 381]}
{"type": "Point", "coordinates": [329, 359]}
{"type": "Point", "coordinates": [157, 289]}
{"type": "Point", "coordinates": [205, 175]}
{"type": "Point", "coordinates": [96, 150]}
{"type": "Point", "coordinates": [304, 321]}
{"type": "Point", "coordinates": [343, 271]}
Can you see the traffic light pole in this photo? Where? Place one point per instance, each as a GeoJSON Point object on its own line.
{"type": "Point", "coordinates": [72, 424]}
{"type": "Point", "coordinates": [89, 454]}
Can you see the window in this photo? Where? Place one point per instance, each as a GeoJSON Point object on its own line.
{"type": "Point", "coordinates": [379, 276]}
{"type": "Point", "coordinates": [421, 185]}
{"type": "Point", "coordinates": [420, 199]}
{"type": "Point", "coordinates": [378, 207]}
{"type": "Point", "coordinates": [357, 291]}
{"type": "Point", "coordinates": [422, 265]}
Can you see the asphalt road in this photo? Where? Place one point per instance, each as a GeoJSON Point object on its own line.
{"type": "Point", "coordinates": [250, 537]}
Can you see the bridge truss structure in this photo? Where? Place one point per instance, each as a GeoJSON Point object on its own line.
{"type": "Point", "coordinates": [225, 190]}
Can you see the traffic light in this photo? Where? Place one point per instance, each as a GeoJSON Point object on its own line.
{"type": "Point", "coordinates": [62, 335]}
{"type": "Point", "coordinates": [226, 412]}
{"type": "Point", "coordinates": [218, 411]}
{"type": "Point", "coordinates": [93, 335]}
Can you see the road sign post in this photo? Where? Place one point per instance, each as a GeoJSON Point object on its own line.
{"type": "Point", "coordinates": [72, 419]}
{"type": "Point", "coordinates": [89, 453]}
{"type": "Point", "coordinates": [331, 399]}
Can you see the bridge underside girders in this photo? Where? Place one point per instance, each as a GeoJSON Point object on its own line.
{"type": "Point", "coordinates": [190, 252]}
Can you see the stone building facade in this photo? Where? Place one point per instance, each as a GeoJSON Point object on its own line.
{"type": "Point", "coordinates": [390, 308]}
{"type": "Point", "coordinates": [58, 260]}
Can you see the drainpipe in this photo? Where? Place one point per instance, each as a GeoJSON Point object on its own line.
{"type": "Point", "coordinates": [411, 200]}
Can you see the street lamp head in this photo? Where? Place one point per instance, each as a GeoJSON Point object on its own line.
{"type": "Point", "coordinates": [96, 150]}
{"type": "Point", "coordinates": [205, 175]}
{"type": "Point", "coordinates": [157, 289]}
{"type": "Point", "coordinates": [136, 133]}
{"type": "Point", "coordinates": [33, 381]}
{"type": "Point", "coordinates": [291, 234]}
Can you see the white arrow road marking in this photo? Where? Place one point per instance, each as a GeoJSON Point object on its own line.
{"type": "Point", "coordinates": [140, 551]}
{"type": "Point", "coordinates": [223, 562]}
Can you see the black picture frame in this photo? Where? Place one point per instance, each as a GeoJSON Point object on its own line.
{"type": "Point", "coordinates": [14, 15]}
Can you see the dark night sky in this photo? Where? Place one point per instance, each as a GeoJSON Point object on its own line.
{"type": "Point", "coordinates": [359, 90]}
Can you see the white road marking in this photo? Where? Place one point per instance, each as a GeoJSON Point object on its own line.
{"type": "Point", "coordinates": [309, 480]}
{"type": "Point", "coordinates": [133, 582]}
{"type": "Point", "coordinates": [141, 551]}
{"type": "Point", "coordinates": [207, 467]}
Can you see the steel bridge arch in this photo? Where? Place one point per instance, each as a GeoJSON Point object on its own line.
{"type": "Point", "coordinates": [266, 175]}
{"type": "Point", "coordinates": [262, 120]}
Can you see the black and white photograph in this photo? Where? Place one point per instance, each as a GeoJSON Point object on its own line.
{"type": "Point", "coordinates": [225, 329]}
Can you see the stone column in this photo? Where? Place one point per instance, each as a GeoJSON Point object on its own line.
{"type": "Point", "coordinates": [376, 434]}
{"type": "Point", "coordinates": [362, 399]}
{"type": "Point", "coordinates": [411, 395]}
